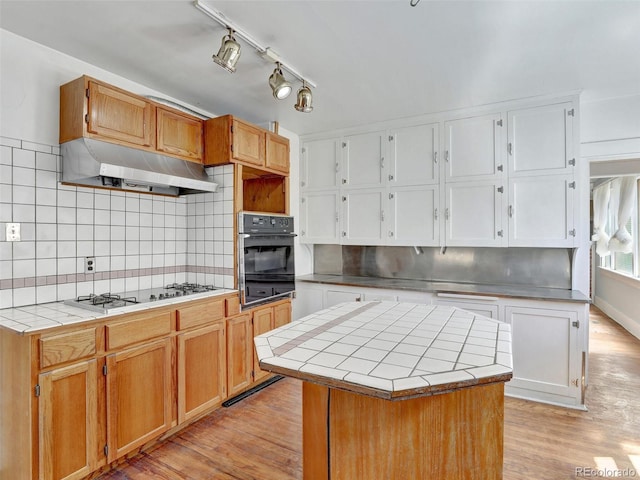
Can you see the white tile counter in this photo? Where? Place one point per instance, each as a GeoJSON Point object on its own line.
{"type": "Point", "coordinates": [36, 318]}
{"type": "Point", "coordinates": [390, 350]}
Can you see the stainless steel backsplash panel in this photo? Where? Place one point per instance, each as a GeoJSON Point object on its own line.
{"type": "Point", "coordinates": [536, 267]}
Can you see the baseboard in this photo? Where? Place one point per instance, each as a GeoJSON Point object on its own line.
{"type": "Point", "coordinates": [626, 322]}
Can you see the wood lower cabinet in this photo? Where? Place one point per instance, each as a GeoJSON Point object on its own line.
{"type": "Point", "coordinates": [239, 356]}
{"type": "Point", "coordinates": [139, 396]}
{"type": "Point", "coordinates": [69, 437]}
{"type": "Point", "coordinates": [262, 323]}
{"type": "Point", "coordinates": [202, 367]}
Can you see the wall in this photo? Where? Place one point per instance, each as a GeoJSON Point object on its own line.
{"type": "Point", "coordinates": [611, 136]}
{"type": "Point", "coordinates": [138, 240]}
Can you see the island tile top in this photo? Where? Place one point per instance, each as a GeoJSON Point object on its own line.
{"type": "Point", "coordinates": [390, 350]}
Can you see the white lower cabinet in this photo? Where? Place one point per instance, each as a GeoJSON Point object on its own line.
{"type": "Point", "coordinates": [547, 354]}
{"type": "Point", "coordinates": [550, 338]}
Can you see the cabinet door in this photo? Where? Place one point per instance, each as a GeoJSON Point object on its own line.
{"type": "Point", "coordinates": [362, 159]}
{"type": "Point", "coordinates": [413, 155]}
{"type": "Point", "coordinates": [139, 393]}
{"type": "Point", "coordinates": [363, 216]}
{"type": "Point", "coordinates": [488, 306]}
{"type": "Point", "coordinates": [473, 215]}
{"type": "Point", "coordinates": [277, 153]}
{"type": "Point", "coordinates": [472, 148]}
{"type": "Point", "coordinates": [120, 116]}
{"type": "Point", "coordinates": [413, 214]}
{"type": "Point", "coordinates": [179, 134]}
{"type": "Point", "coordinates": [239, 353]}
{"type": "Point", "coordinates": [338, 296]}
{"type": "Point", "coordinates": [281, 314]}
{"type": "Point", "coordinates": [262, 322]}
{"type": "Point", "coordinates": [68, 411]}
{"type": "Point", "coordinates": [202, 370]}
{"type": "Point", "coordinates": [541, 140]}
{"type": "Point", "coordinates": [319, 164]}
{"type": "Point", "coordinates": [248, 143]}
{"type": "Point", "coordinates": [319, 217]}
{"type": "Point", "coordinates": [541, 211]}
{"type": "Point", "coordinates": [546, 357]}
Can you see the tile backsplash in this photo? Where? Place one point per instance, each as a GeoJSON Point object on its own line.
{"type": "Point", "coordinates": [138, 240]}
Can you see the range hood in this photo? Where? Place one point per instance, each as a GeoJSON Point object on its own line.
{"type": "Point", "coordinates": [94, 163]}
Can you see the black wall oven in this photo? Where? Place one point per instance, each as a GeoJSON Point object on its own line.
{"type": "Point", "coordinates": [265, 257]}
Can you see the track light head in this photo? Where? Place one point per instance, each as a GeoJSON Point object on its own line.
{"type": "Point", "coordinates": [280, 87]}
{"type": "Point", "coordinates": [303, 102]}
{"type": "Point", "coordinates": [229, 53]}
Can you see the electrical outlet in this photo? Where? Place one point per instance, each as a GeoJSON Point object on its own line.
{"type": "Point", "coordinates": [13, 232]}
{"type": "Point", "coordinates": [90, 265]}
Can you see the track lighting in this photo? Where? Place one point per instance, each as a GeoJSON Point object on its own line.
{"type": "Point", "coordinates": [303, 102]}
{"type": "Point", "coordinates": [281, 88]}
{"type": "Point", "coordinates": [229, 53]}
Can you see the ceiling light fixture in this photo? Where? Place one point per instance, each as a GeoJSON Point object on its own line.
{"type": "Point", "coordinates": [228, 56]}
{"type": "Point", "coordinates": [303, 102]}
{"type": "Point", "coordinates": [229, 53]}
{"type": "Point", "coordinates": [279, 85]}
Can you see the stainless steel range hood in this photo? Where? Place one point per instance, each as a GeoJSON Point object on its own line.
{"type": "Point", "coordinates": [94, 163]}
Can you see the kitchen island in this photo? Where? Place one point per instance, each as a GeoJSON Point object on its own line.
{"type": "Point", "coordinates": [396, 390]}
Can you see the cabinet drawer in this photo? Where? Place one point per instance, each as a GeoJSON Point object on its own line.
{"type": "Point", "coordinates": [202, 314]}
{"type": "Point", "coordinates": [67, 347]}
{"type": "Point", "coordinates": [232, 306]}
{"type": "Point", "coordinates": [138, 330]}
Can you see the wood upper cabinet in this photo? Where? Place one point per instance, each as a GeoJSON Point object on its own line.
{"type": "Point", "coordinates": [69, 439]}
{"type": "Point", "coordinates": [239, 356]}
{"type": "Point", "coordinates": [277, 154]}
{"type": "Point", "coordinates": [179, 134]}
{"type": "Point", "coordinates": [94, 109]}
{"type": "Point", "coordinates": [202, 367]}
{"type": "Point", "coordinates": [231, 140]}
{"type": "Point", "coordinates": [139, 396]}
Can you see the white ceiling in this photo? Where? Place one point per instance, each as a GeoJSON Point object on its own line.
{"type": "Point", "coordinates": [371, 60]}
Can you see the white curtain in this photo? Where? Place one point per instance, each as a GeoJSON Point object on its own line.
{"type": "Point", "coordinates": [600, 208]}
{"type": "Point", "coordinates": [621, 240]}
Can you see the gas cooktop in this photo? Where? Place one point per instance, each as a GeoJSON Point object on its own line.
{"type": "Point", "coordinates": [104, 302]}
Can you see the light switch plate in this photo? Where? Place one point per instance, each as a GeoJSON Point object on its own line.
{"type": "Point", "coordinates": [13, 232]}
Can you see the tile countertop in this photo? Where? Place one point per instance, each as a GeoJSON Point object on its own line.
{"type": "Point", "coordinates": [390, 350]}
{"type": "Point", "coordinates": [515, 291]}
{"type": "Point", "coordinates": [36, 318]}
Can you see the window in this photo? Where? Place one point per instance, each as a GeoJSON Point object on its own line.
{"type": "Point", "coordinates": [626, 263]}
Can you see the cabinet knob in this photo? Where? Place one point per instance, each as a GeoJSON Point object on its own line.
{"type": "Point", "coordinates": [344, 180]}
{"type": "Point", "coordinates": [510, 211]}
{"type": "Point", "coordinates": [390, 177]}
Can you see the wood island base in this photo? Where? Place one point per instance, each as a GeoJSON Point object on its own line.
{"type": "Point", "coordinates": [457, 435]}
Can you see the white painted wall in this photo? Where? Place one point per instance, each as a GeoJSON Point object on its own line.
{"type": "Point", "coordinates": [611, 133]}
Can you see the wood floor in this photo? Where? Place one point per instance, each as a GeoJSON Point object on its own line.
{"type": "Point", "coordinates": [259, 438]}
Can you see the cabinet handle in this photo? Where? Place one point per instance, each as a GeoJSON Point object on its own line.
{"type": "Point", "coordinates": [435, 157]}
{"type": "Point", "coordinates": [446, 214]}
{"type": "Point", "coordinates": [382, 215]}
{"type": "Point", "coordinates": [344, 180]}
{"type": "Point", "coordinates": [391, 234]}
{"type": "Point", "coordinates": [337, 167]}
{"type": "Point", "coordinates": [391, 196]}
{"type": "Point", "coordinates": [510, 148]}
{"type": "Point", "coordinates": [390, 177]}
{"type": "Point", "coordinates": [510, 211]}
{"type": "Point", "coordinates": [337, 217]}
{"type": "Point", "coordinates": [500, 233]}
{"type": "Point", "coordinates": [500, 189]}
{"type": "Point", "coordinates": [344, 199]}
{"type": "Point", "coordinates": [500, 168]}
{"type": "Point", "coordinates": [435, 214]}
{"type": "Point", "coordinates": [572, 232]}
{"type": "Point", "coordinates": [446, 155]}
{"type": "Point", "coordinates": [344, 234]}
{"type": "Point", "coordinates": [382, 162]}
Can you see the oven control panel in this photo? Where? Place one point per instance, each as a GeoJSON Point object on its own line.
{"type": "Point", "coordinates": [259, 223]}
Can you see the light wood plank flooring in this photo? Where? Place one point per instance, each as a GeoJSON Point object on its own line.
{"type": "Point", "coordinates": [259, 438]}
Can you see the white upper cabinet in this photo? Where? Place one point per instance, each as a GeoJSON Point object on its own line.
{"type": "Point", "coordinates": [319, 217]}
{"type": "Point", "coordinates": [473, 214]}
{"type": "Point", "coordinates": [319, 164]}
{"type": "Point", "coordinates": [541, 211]}
{"type": "Point", "coordinates": [472, 148]}
{"type": "Point", "coordinates": [540, 140]}
{"type": "Point", "coordinates": [413, 155]}
{"type": "Point", "coordinates": [413, 216]}
{"type": "Point", "coordinates": [363, 160]}
{"type": "Point", "coordinates": [363, 216]}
